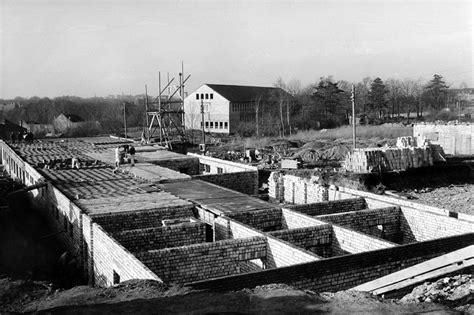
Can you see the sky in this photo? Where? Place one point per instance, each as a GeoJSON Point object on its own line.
{"type": "Point", "coordinates": [90, 48]}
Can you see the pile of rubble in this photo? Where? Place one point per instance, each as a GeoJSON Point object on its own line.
{"type": "Point", "coordinates": [452, 291]}
{"type": "Point", "coordinates": [409, 153]}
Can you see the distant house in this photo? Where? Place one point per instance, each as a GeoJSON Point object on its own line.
{"type": "Point", "coordinates": [36, 128]}
{"type": "Point", "coordinates": [225, 106]}
{"type": "Point", "coordinates": [7, 127]}
{"type": "Point", "coordinates": [8, 106]}
{"type": "Point", "coordinates": [66, 122]}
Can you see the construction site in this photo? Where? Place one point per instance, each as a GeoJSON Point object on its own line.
{"type": "Point", "coordinates": [195, 220]}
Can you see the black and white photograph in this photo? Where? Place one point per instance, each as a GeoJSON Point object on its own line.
{"type": "Point", "coordinates": [236, 156]}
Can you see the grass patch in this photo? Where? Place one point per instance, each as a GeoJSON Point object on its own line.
{"type": "Point", "coordinates": [362, 132]}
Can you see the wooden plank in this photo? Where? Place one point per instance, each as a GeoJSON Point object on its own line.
{"type": "Point", "coordinates": [412, 274]}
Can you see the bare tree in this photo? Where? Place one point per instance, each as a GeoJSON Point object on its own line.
{"type": "Point", "coordinates": [257, 108]}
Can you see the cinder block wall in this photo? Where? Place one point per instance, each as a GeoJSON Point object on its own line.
{"type": "Point", "coordinates": [316, 239]}
{"type": "Point", "coordinates": [294, 220]}
{"type": "Point", "coordinates": [245, 182]}
{"type": "Point", "coordinates": [223, 165]}
{"type": "Point", "coordinates": [203, 261]}
{"type": "Point", "coordinates": [142, 219]}
{"type": "Point", "coordinates": [329, 207]}
{"type": "Point", "coordinates": [263, 220]}
{"type": "Point", "coordinates": [110, 259]}
{"type": "Point", "coordinates": [455, 139]}
{"type": "Point", "coordinates": [382, 223]}
{"type": "Point", "coordinates": [418, 226]}
{"type": "Point", "coordinates": [346, 241]}
{"type": "Point", "coordinates": [342, 273]}
{"type": "Point", "coordinates": [140, 240]}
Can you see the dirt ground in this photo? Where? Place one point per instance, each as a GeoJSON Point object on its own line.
{"type": "Point", "coordinates": [149, 297]}
{"type": "Point", "coordinates": [458, 198]}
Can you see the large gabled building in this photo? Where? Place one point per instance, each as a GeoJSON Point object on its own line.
{"type": "Point", "coordinates": [226, 106]}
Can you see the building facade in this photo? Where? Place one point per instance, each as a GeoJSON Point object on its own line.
{"type": "Point", "coordinates": [225, 106]}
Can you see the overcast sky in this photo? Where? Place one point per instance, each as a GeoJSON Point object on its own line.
{"type": "Point", "coordinates": [86, 48]}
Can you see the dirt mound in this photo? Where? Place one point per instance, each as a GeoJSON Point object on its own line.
{"type": "Point", "coordinates": [151, 297]}
{"type": "Point", "coordinates": [451, 291]}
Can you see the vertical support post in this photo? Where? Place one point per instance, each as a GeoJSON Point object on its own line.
{"type": "Point", "coordinates": [146, 107]}
{"type": "Point", "coordinates": [160, 118]}
{"type": "Point", "coordinates": [202, 127]}
{"type": "Point", "coordinates": [353, 118]}
{"type": "Point", "coordinates": [125, 119]}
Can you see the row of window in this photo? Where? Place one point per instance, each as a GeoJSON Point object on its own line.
{"type": "Point", "coordinates": [247, 117]}
{"type": "Point", "coordinates": [207, 168]}
{"type": "Point", "coordinates": [205, 96]}
{"type": "Point", "coordinates": [244, 106]}
{"type": "Point", "coordinates": [216, 124]}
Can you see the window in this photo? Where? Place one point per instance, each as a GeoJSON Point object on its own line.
{"type": "Point", "coordinates": [208, 168]}
{"type": "Point", "coordinates": [201, 124]}
{"type": "Point", "coordinates": [207, 124]}
{"type": "Point", "coordinates": [207, 96]}
{"type": "Point", "coordinates": [220, 170]}
{"type": "Point", "coordinates": [116, 277]}
{"type": "Point", "coordinates": [197, 96]}
{"type": "Point", "coordinates": [211, 96]}
{"type": "Point", "coordinates": [226, 125]}
{"type": "Point", "coordinates": [212, 124]}
{"type": "Point", "coordinates": [221, 125]}
{"type": "Point", "coordinates": [202, 96]}
{"type": "Point", "coordinates": [216, 124]}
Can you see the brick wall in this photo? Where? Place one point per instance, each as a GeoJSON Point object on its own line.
{"type": "Point", "coordinates": [110, 257]}
{"type": "Point", "coordinates": [342, 273]}
{"type": "Point", "coordinates": [328, 207]}
{"type": "Point", "coordinates": [203, 261]}
{"type": "Point", "coordinates": [419, 225]}
{"type": "Point", "coordinates": [294, 220]}
{"type": "Point", "coordinates": [186, 165]}
{"type": "Point", "coordinates": [316, 239]}
{"type": "Point", "coordinates": [263, 220]}
{"type": "Point", "coordinates": [224, 165]}
{"type": "Point", "coordinates": [346, 241]}
{"type": "Point", "coordinates": [245, 182]}
{"type": "Point", "coordinates": [141, 219]}
{"type": "Point", "coordinates": [162, 237]}
{"type": "Point", "coordinates": [383, 223]}
{"type": "Point", "coordinates": [281, 253]}
{"type": "Point", "coordinates": [227, 228]}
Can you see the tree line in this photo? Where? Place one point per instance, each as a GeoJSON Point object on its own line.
{"type": "Point", "coordinates": [327, 104]}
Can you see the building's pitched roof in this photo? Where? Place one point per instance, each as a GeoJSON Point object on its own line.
{"type": "Point", "coordinates": [242, 93]}
{"type": "Point", "coordinates": [74, 118]}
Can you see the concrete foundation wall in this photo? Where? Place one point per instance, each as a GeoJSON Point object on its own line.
{"type": "Point", "coordinates": [245, 182]}
{"type": "Point", "coordinates": [110, 259]}
{"type": "Point", "coordinates": [329, 207]}
{"type": "Point", "coordinates": [141, 219]}
{"type": "Point", "coordinates": [342, 273]}
{"type": "Point", "coordinates": [140, 240]}
{"type": "Point", "coordinates": [203, 261]}
{"type": "Point", "coordinates": [382, 223]}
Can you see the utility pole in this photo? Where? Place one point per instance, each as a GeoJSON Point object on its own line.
{"type": "Point", "coordinates": [146, 106]}
{"type": "Point", "coordinates": [125, 118]}
{"type": "Point", "coordinates": [202, 126]}
{"type": "Point", "coordinates": [353, 118]}
{"type": "Point", "coordinates": [159, 108]}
